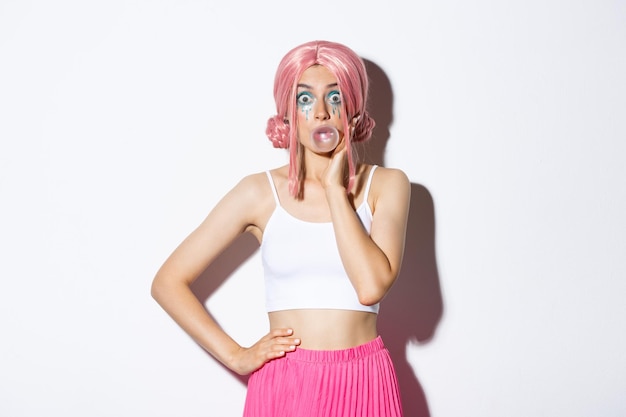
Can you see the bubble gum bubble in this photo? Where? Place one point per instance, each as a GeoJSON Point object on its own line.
{"type": "Point", "coordinates": [324, 138]}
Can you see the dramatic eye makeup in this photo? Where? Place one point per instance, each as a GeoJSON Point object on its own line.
{"type": "Point", "coordinates": [306, 100]}
{"type": "Point", "coordinates": [334, 99]}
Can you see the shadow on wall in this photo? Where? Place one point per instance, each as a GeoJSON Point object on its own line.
{"type": "Point", "coordinates": [413, 307]}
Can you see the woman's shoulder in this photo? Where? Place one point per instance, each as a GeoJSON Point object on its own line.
{"type": "Point", "coordinates": [386, 176]}
{"type": "Point", "coordinates": [257, 185]}
{"type": "Point", "coordinates": [255, 178]}
{"type": "Point", "coordinates": [389, 184]}
{"type": "Point", "coordinates": [390, 190]}
{"type": "Point", "coordinates": [252, 200]}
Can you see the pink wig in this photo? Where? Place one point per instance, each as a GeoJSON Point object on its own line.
{"type": "Point", "coordinates": [353, 84]}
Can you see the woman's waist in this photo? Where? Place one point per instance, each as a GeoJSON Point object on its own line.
{"type": "Point", "coordinates": [327, 329]}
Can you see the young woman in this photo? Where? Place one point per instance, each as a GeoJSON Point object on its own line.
{"type": "Point", "coordinates": [331, 232]}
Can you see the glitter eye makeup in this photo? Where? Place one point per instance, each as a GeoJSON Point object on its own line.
{"type": "Point", "coordinates": [305, 102]}
{"type": "Point", "coordinates": [305, 99]}
{"type": "Point", "coordinates": [334, 99]}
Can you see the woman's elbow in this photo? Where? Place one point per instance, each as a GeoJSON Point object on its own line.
{"type": "Point", "coordinates": [371, 296]}
{"type": "Point", "coordinates": [374, 292]}
{"type": "Point", "coordinates": [157, 289]}
{"type": "Point", "coordinates": [368, 301]}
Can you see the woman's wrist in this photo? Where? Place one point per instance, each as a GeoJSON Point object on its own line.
{"type": "Point", "coordinates": [335, 190]}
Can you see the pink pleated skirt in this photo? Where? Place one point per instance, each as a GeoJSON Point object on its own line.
{"type": "Point", "coordinates": [355, 382]}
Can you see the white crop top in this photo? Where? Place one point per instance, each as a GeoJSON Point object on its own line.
{"type": "Point", "coordinates": [301, 262]}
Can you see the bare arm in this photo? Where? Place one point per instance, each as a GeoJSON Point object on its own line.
{"type": "Point", "coordinates": [239, 211]}
{"type": "Point", "coordinates": [371, 262]}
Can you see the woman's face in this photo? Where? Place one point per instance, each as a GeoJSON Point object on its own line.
{"type": "Point", "coordinates": [318, 103]}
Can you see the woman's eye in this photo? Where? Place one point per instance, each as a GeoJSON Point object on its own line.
{"type": "Point", "coordinates": [334, 97]}
{"type": "Point", "coordinates": [304, 99]}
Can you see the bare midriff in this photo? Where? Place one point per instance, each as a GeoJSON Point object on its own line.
{"type": "Point", "coordinates": [321, 329]}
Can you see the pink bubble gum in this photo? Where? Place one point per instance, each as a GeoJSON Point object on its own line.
{"type": "Point", "coordinates": [324, 138]}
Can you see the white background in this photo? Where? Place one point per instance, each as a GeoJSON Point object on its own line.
{"type": "Point", "coordinates": [123, 122]}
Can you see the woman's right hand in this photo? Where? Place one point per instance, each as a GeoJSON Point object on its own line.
{"type": "Point", "coordinates": [273, 345]}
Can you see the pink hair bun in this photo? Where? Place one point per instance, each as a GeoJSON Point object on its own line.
{"type": "Point", "coordinates": [277, 132]}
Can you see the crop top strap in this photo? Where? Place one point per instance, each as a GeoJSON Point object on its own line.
{"type": "Point", "coordinates": [269, 177]}
{"type": "Point", "coordinates": [369, 182]}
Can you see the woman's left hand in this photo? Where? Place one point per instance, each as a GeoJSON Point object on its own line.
{"type": "Point", "coordinates": [334, 174]}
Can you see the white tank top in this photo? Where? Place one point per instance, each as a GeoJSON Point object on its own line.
{"type": "Point", "coordinates": [301, 262]}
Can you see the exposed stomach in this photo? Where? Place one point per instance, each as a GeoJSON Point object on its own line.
{"type": "Point", "coordinates": [325, 329]}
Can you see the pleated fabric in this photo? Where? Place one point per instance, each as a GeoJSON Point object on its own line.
{"type": "Point", "coordinates": [355, 382]}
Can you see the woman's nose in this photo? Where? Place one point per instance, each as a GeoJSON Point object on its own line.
{"type": "Point", "coordinates": [321, 112]}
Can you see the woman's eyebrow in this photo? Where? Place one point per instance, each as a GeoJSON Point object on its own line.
{"type": "Point", "coordinates": [309, 87]}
